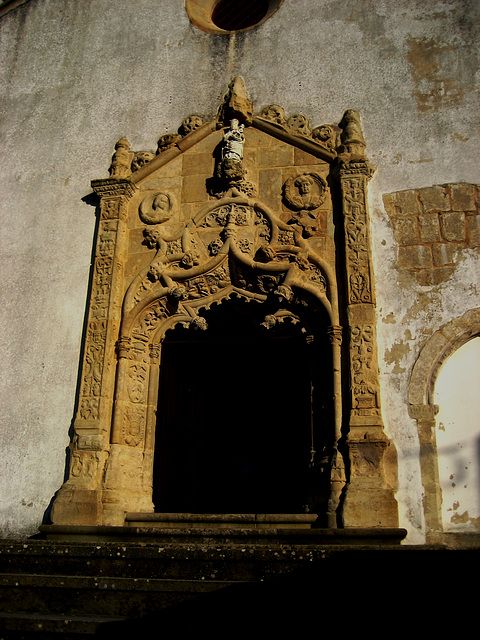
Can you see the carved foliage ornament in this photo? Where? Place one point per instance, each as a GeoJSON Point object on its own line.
{"type": "Point", "coordinates": [234, 225]}
{"type": "Point", "coordinates": [364, 368]}
{"type": "Point", "coordinates": [357, 246]}
{"type": "Point", "coordinates": [298, 124]}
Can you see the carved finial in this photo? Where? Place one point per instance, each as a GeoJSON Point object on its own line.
{"type": "Point", "coordinates": [121, 160]}
{"type": "Point", "coordinates": [199, 323]}
{"type": "Point", "coordinates": [167, 141]}
{"type": "Point", "coordinates": [351, 137]}
{"type": "Point", "coordinates": [325, 135]}
{"type": "Point", "coordinates": [236, 104]}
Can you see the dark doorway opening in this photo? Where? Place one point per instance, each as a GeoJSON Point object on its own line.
{"type": "Point", "coordinates": [234, 432]}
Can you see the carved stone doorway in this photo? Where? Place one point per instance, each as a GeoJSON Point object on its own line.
{"type": "Point", "coordinates": [265, 208]}
{"type": "Point", "coordinates": [235, 431]}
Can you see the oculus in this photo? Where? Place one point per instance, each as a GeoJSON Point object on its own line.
{"type": "Point", "coordinates": [228, 16]}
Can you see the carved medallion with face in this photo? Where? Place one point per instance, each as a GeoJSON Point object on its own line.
{"type": "Point", "coordinates": [156, 208]}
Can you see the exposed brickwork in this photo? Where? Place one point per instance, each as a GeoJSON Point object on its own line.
{"type": "Point", "coordinates": [431, 225]}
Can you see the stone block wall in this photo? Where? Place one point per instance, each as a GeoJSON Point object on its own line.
{"type": "Point", "coordinates": [431, 224]}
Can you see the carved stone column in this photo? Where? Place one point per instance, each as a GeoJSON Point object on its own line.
{"type": "Point", "coordinates": [80, 498]}
{"type": "Point", "coordinates": [432, 501]}
{"type": "Point", "coordinates": [155, 351]}
{"type": "Point", "coordinates": [128, 473]}
{"type": "Point", "coordinates": [337, 463]}
{"type": "Point", "coordinates": [369, 499]}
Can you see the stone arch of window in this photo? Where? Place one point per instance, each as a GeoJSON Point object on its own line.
{"type": "Point", "coordinates": [438, 348]}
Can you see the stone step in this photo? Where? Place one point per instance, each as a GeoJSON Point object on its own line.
{"type": "Point", "coordinates": [91, 595]}
{"type": "Point", "coordinates": [195, 560]}
{"type": "Point", "coordinates": [143, 589]}
{"type": "Point", "coordinates": [42, 625]}
{"type": "Point", "coordinates": [170, 531]}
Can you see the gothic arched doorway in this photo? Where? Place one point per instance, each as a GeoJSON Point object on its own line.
{"type": "Point", "coordinates": [238, 424]}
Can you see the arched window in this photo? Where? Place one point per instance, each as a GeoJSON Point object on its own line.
{"type": "Point", "coordinates": [458, 437]}
{"type": "Point", "coordinates": [443, 398]}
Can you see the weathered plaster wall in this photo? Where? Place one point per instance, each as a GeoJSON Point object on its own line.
{"type": "Point", "coordinates": [76, 75]}
{"type": "Point", "coordinates": [428, 267]}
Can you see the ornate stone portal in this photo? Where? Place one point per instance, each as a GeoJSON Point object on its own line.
{"type": "Point", "coordinates": [259, 209]}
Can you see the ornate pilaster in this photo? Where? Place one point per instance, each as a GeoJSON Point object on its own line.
{"type": "Point", "coordinates": [369, 497]}
{"type": "Point", "coordinates": [98, 377]}
{"type": "Point", "coordinates": [80, 498]}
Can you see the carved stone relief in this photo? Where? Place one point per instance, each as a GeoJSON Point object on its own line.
{"type": "Point", "coordinates": [157, 207]}
{"type": "Point", "coordinates": [364, 369]}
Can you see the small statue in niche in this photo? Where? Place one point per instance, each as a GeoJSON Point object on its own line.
{"type": "Point", "coordinates": [233, 141]}
{"type": "Point", "coordinates": [230, 173]}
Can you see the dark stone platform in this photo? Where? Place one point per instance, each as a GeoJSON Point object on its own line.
{"type": "Point", "coordinates": [72, 582]}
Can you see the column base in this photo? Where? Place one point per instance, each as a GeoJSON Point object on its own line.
{"type": "Point", "coordinates": [364, 507]}
{"type": "Point", "coordinates": [75, 506]}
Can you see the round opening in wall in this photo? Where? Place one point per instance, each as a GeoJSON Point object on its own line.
{"type": "Point", "coordinates": [229, 16]}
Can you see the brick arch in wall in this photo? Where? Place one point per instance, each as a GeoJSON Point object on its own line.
{"type": "Point", "coordinates": [434, 353]}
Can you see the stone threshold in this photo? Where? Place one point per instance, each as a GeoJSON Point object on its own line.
{"type": "Point", "coordinates": [221, 521]}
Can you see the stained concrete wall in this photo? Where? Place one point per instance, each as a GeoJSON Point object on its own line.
{"type": "Point", "coordinates": [76, 75]}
